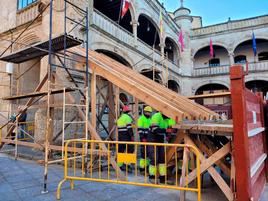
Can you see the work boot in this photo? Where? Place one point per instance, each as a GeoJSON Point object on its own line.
{"type": "Point", "coordinates": [142, 170]}
{"type": "Point", "coordinates": [152, 179]}
{"type": "Point", "coordinates": [162, 180]}
{"type": "Point", "coordinates": [123, 168]}
{"type": "Point", "coordinates": [129, 169]}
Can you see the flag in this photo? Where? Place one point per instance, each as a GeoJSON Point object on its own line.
{"type": "Point", "coordinates": [125, 8]}
{"type": "Point", "coordinates": [254, 45]}
{"type": "Point", "coordinates": [161, 25]}
{"type": "Point", "coordinates": [181, 41]}
{"type": "Point", "coordinates": [211, 52]}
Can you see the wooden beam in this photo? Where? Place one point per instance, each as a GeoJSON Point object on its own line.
{"type": "Point", "coordinates": [227, 129]}
{"type": "Point", "coordinates": [214, 95]}
{"type": "Point", "coordinates": [210, 161]}
{"type": "Point", "coordinates": [213, 172]}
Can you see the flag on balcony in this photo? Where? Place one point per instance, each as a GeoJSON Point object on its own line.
{"type": "Point", "coordinates": [161, 25]}
{"type": "Point", "coordinates": [125, 7]}
{"type": "Point", "coordinates": [254, 45]}
{"type": "Point", "coordinates": [181, 41]}
{"type": "Point", "coordinates": [211, 52]}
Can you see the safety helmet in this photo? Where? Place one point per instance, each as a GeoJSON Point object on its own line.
{"type": "Point", "coordinates": [148, 109]}
{"type": "Point", "coordinates": [126, 109]}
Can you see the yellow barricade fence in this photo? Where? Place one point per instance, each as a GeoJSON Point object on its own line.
{"type": "Point", "coordinates": [28, 130]}
{"type": "Point", "coordinates": [98, 161]}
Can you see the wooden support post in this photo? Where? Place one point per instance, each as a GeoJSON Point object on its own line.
{"type": "Point", "coordinates": [136, 117]}
{"type": "Point", "coordinates": [111, 118]}
{"type": "Point", "coordinates": [116, 109]}
{"type": "Point", "coordinates": [184, 171]}
{"type": "Point", "coordinates": [213, 172]}
{"type": "Point", "coordinates": [93, 99]}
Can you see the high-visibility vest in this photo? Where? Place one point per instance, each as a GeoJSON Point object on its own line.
{"type": "Point", "coordinates": [144, 122]}
{"type": "Point", "coordinates": [124, 122]}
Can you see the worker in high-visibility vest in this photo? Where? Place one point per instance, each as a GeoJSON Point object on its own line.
{"type": "Point", "coordinates": [161, 127]}
{"type": "Point", "coordinates": [144, 123]}
{"type": "Point", "coordinates": [125, 133]}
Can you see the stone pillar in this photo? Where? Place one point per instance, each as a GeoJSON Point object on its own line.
{"type": "Point", "coordinates": [162, 48]}
{"type": "Point", "coordinates": [231, 57]}
{"type": "Point", "coordinates": [135, 25]}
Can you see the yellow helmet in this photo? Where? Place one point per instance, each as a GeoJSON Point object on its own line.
{"type": "Point", "coordinates": [148, 109]}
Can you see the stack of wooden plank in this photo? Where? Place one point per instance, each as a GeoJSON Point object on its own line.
{"type": "Point", "coordinates": [156, 95]}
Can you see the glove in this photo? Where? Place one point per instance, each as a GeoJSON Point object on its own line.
{"type": "Point", "coordinates": [12, 118]}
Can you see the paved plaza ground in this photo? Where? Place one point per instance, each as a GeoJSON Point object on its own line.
{"type": "Point", "coordinates": [22, 180]}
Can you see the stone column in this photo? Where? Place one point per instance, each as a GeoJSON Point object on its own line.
{"type": "Point", "coordinates": [231, 57]}
{"type": "Point", "coordinates": [135, 25]}
{"type": "Point", "coordinates": [162, 48]}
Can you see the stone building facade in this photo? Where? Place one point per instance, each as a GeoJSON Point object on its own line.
{"type": "Point", "coordinates": [135, 41]}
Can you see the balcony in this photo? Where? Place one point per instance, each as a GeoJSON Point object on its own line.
{"type": "Point", "coordinates": [28, 13]}
{"type": "Point", "coordinates": [224, 70]}
{"type": "Point", "coordinates": [232, 25]}
{"type": "Point", "coordinates": [106, 25]}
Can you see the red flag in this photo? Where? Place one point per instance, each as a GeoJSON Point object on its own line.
{"type": "Point", "coordinates": [181, 41]}
{"type": "Point", "coordinates": [125, 7]}
{"type": "Point", "coordinates": [211, 53]}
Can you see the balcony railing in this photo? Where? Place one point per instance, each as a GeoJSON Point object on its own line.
{"type": "Point", "coordinates": [225, 69]}
{"type": "Point", "coordinates": [232, 25]}
{"type": "Point", "coordinates": [107, 25]}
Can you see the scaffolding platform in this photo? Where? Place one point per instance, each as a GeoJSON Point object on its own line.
{"type": "Point", "coordinates": [37, 94]}
{"type": "Point", "coordinates": [41, 49]}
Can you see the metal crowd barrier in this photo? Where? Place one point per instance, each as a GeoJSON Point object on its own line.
{"type": "Point", "coordinates": [90, 160]}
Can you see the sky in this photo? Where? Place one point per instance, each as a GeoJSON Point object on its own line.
{"type": "Point", "coordinates": [217, 11]}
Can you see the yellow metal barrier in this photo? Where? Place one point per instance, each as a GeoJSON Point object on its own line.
{"type": "Point", "coordinates": [29, 129]}
{"type": "Point", "coordinates": [85, 160]}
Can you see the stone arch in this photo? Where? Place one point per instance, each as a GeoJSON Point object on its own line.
{"type": "Point", "coordinates": [247, 38]}
{"type": "Point", "coordinates": [207, 82]}
{"type": "Point", "coordinates": [111, 9]}
{"type": "Point", "coordinates": [147, 72]}
{"type": "Point", "coordinates": [202, 57]}
{"type": "Point", "coordinates": [111, 48]}
{"type": "Point", "coordinates": [206, 44]}
{"type": "Point", "coordinates": [28, 39]}
{"type": "Point", "coordinates": [174, 86]}
{"type": "Point", "coordinates": [173, 54]}
{"type": "Point", "coordinates": [258, 85]}
{"type": "Point", "coordinates": [148, 31]}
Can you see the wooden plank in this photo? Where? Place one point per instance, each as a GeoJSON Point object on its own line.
{"type": "Point", "coordinates": [181, 101]}
{"type": "Point", "coordinates": [210, 151]}
{"type": "Point", "coordinates": [93, 99]}
{"type": "Point", "coordinates": [210, 95]}
{"type": "Point", "coordinates": [36, 94]}
{"type": "Point", "coordinates": [170, 150]}
{"type": "Point", "coordinates": [211, 127]}
{"type": "Point", "coordinates": [211, 161]}
{"type": "Point", "coordinates": [213, 172]}
{"type": "Point", "coordinates": [139, 91]}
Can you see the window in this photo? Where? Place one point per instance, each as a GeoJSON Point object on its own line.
{"type": "Point", "coordinates": [263, 56]}
{"type": "Point", "coordinates": [240, 59]}
{"type": "Point", "coordinates": [214, 62]}
{"type": "Point", "coordinates": [24, 3]}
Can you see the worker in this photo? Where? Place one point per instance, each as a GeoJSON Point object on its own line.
{"type": "Point", "coordinates": [125, 133]}
{"type": "Point", "coordinates": [144, 123]}
{"type": "Point", "coordinates": [161, 127]}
